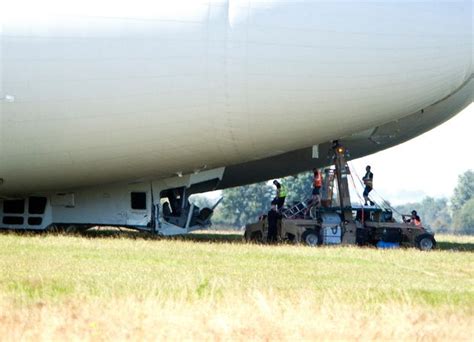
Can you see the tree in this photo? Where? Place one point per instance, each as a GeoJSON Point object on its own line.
{"type": "Point", "coordinates": [434, 213]}
{"type": "Point", "coordinates": [299, 187]}
{"type": "Point", "coordinates": [461, 203]}
{"type": "Point", "coordinates": [465, 218]}
{"type": "Point", "coordinates": [244, 204]}
{"type": "Point", "coordinates": [464, 191]}
{"type": "Point", "coordinates": [201, 201]}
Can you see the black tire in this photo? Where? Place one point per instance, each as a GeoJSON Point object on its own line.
{"type": "Point", "coordinates": [310, 238]}
{"type": "Point", "coordinates": [425, 242]}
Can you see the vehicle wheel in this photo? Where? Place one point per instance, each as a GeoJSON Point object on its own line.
{"type": "Point", "coordinates": [425, 242]}
{"type": "Point", "coordinates": [310, 238]}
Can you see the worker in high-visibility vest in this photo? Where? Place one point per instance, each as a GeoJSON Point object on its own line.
{"type": "Point", "coordinates": [369, 184]}
{"type": "Point", "coordinates": [280, 195]}
{"type": "Point", "coordinates": [415, 219]}
{"type": "Point", "coordinates": [317, 184]}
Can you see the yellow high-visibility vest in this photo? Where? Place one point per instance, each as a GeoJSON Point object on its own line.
{"type": "Point", "coordinates": [282, 191]}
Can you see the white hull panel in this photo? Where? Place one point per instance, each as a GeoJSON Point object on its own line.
{"type": "Point", "coordinates": [112, 97]}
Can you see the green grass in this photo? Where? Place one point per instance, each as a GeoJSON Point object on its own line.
{"type": "Point", "coordinates": [54, 267]}
{"type": "Point", "coordinates": [102, 267]}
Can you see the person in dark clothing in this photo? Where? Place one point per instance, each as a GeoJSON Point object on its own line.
{"type": "Point", "coordinates": [368, 182]}
{"type": "Point", "coordinates": [273, 216]}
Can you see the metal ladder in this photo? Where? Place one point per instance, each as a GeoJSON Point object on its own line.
{"type": "Point", "coordinates": [298, 208]}
{"type": "Point", "coordinates": [326, 196]}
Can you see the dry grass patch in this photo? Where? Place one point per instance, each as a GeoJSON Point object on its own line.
{"type": "Point", "coordinates": [253, 317]}
{"type": "Point", "coordinates": [70, 287]}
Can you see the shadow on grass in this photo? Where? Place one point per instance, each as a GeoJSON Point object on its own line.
{"type": "Point", "coordinates": [93, 233]}
{"type": "Point", "coordinates": [455, 246]}
{"type": "Point", "coordinates": [119, 233]}
{"type": "Point", "coordinates": [125, 233]}
{"type": "Point", "coordinates": [213, 237]}
{"type": "Point", "coordinates": [210, 236]}
{"type": "Point", "coordinates": [201, 236]}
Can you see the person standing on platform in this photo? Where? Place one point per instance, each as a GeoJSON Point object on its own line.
{"type": "Point", "coordinates": [369, 183]}
{"type": "Point", "coordinates": [317, 184]}
{"type": "Point", "coordinates": [281, 194]}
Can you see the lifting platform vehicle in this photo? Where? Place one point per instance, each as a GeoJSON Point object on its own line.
{"type": "Point", "coordinates": [345, 224]}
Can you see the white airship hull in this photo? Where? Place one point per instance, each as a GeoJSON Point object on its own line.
{"type": "Point", "coordinates": [120, 94]}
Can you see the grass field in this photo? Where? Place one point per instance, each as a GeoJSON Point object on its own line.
{"type": "Point", "coordinates": [106, 286]}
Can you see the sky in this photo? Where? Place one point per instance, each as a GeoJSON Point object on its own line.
{"type": "Point", "coordinates": [428, 165]}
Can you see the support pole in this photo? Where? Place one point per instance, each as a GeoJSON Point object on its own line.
{"type": "Point", "coordinates": [342, 171]}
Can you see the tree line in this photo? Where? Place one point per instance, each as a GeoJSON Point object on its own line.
{"type": "Point", "coordinates": [453, 215]}
{"type": "Point", "coordinates": [244, 204]}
